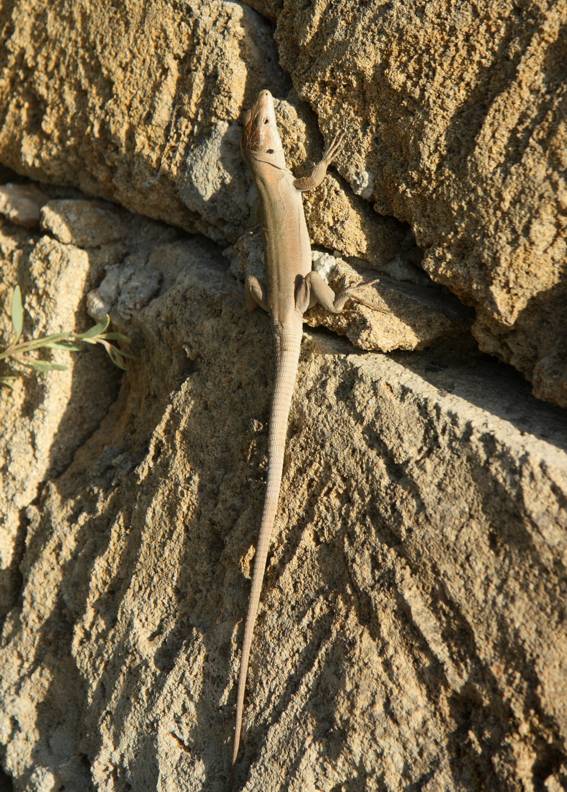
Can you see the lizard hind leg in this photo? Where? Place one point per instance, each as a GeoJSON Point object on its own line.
{"type": "Point", "coordinates": [320, 292]}
{"type": "Point", "coordinates": [254, 294]}
{"type": "Point", "coordinates": [335, 146]}
{"type": "Point", "coordinates": [312, 289]}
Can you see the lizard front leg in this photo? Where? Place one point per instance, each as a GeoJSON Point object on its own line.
{"type": "Point", "coordinates": [319, 171]}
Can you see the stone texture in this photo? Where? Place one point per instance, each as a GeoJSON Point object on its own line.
{"type": "Point", "coordinates": [411, 631]}
{"type": "Point", "coordinates": [387, 315]}
{"type": "Point", "coordinates": [21, 203]}
{"type": "Point", "coordinates": [45, 417]}
{"type": "Point", "coordinates": [453, 120]}
{"type": "Point", "coordinates": [338, 219]}
{"type": "Point", "coordinates": [269, 8]}
{"type": "Point", "coordinates": [84, 223]}
{"type": "Point", "coordinates": [50, 415]}
{"type": "Point", "coordinates": [455, 117]}
{"type": "Point", "coordinates": [159, 133]}
{"type": "Point", "coordinates": [132, 103]}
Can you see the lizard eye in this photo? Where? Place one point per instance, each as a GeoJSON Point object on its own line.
{"type": "Point", "coordinates": [269, 151]}
{"type": "Point", "coordinates": [265, 120]}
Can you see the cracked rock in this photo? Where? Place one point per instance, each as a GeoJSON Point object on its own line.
{"type": "Point", "coordinates": [411, 619]}
{"type": "Point", "coordinates": [82, 223]}
{"type": "Point", "coordinates": [21, 203]}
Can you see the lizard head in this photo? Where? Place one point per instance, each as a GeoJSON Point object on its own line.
{"type": "Point", "coordinates": [261, 143]}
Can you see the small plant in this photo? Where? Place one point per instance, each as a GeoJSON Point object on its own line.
{"type": "Point", "coordinates": [18, 351]}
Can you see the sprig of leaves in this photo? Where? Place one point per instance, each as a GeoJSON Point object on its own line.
{"type": "Point", "coordinates": [18, 351]}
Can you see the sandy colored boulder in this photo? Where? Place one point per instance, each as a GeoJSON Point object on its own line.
{"type": "Point", "coordinates": [455, 125]}
{"type": "Point", "coordinates": [453, 120]}
{"type": "Point", "coordinates": [337, 218]}
{"type": "Point", "coordinates": [44, 416]}
{"type": "Point", "coordinates": [157, 127]}
{"type": "Point", "coordinates": [83, 223]}
{"type": "Point", "coordinates": [21, 203]}
{"type": "Point", "coordinates": [138, 105]}
{"type": "Point", "coordinates": [411, 630]}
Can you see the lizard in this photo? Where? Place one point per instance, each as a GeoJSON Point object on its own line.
{"type": "Point", "coordinates": [293, 288]}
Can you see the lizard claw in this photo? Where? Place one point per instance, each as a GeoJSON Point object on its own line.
{"type": "Point", "coordinates": [334, 147]}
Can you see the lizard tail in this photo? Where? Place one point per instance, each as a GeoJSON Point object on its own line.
{"type": "Point", "coordinates": [287, 357]}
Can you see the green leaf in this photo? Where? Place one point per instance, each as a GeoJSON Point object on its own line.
{"type": "Point", "coordinates": [55, 337]}
{"type": "Point", "coordinates": [117, 358]}
{"type": "Point", "coordinates": [17, 312]}
{"type": "Point", "coordinates": [115, 354]}
{"type": "Point", "coordinates": [66, 345]}
{"type": "Point", "coordinates": [114, 336]}
{"type": "Point", "coordinates": [96, 329]}
{"type": "Point", "coordinates": [44, 365]}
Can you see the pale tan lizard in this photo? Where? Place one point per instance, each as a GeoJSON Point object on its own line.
{"type": "Point", "coordinates": [292, 288]}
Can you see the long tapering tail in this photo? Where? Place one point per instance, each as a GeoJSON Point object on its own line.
{"type": "Point", "coordinates": [288, 346]}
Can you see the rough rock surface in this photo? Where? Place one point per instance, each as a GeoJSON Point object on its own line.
{"type": "Point", "coordinates": [456, 122]}
{"type": "Point", "coordinates": [21, 203]}
{"type": "Point", "coordinates": [411, 632]}
{"type": "Point", "coordinates": [124, 102]}
{"type": "Point", "coordinates": [75, 242]}
{"type": "Point", "coordinates": [157, 129]}
{"type": "Point", "coordinates": [44, 418]}
{"type": "Point", "coordinates": [453, 119]}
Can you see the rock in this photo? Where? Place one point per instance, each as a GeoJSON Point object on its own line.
{"type": "Point", "coordinates": [81, 222]}
{"type": "Point", "coordinates": [453, 123]}
{"type": "Point", "coordinates": [131, 285]}
{"type": "Point", "coordinates": [411, 622]}
{"type": "Point", "coordinates": [336, 218]}
{"type": "Point", "coordinates": [126, 288]}
{"type": "Point", "coordinates": [21, 203]}
{"type": "Point", "coordinates": [143, 102]}
{"type": "Point", "coordinates": [268, 8]}
{"type": "Point", "coordinates": [388, 315]}
{"type": "Point", "coordinates": [45, 417]}
{"type": "Point", "coordinates": [179, 160]}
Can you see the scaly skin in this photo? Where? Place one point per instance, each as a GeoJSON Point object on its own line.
{"type": "Point", "coordinates": [292, 289]}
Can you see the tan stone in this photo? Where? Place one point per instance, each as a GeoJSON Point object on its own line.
{"type": "Point", "coordinates": [453, 122]}
{"type": "Point", "coordinates": [268, 8]}
{"type": "Point", "coordinates": [411, 627]}
{"type": "Point", "coordinates": [455, 125]}
{"type": "Point", "coordinates": [44, 416]}
{"type": "Point", "coordinates": [139, 105]}
{"type": "Point", "coordinates": [47, 416]}
{"type": "Point", "coordinates": [21, 203]}
{"type": "Point", "coordinates": [81, 222]}
{"type": "Point", "coordinates": [338, 219]}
